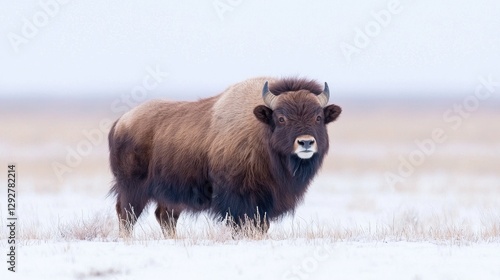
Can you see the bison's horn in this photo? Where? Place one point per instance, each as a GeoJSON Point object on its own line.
{"type": "Point", "coordinates": [324, 96]}
{"type": "Point", "coordinates": [269, 97]}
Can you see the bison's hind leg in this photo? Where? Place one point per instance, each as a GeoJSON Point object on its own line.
{"type": "Point", "coordinates": [167, 218]}
{"type": "Point", "coordinates": [129, 208]}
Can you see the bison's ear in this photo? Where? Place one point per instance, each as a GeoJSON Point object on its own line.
{"type": "Point", "coordinates": [263, 114]}
{"type": "Point", "coordinates": [331, 113]}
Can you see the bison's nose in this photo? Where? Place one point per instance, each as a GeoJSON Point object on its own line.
{"type": "Point", "coordinates": [305, 146]}
{"type": "Point", "coordinates": [305, 143]}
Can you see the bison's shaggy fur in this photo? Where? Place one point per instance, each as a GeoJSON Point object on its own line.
{"type": "Point", "coordinates": [228, 154]}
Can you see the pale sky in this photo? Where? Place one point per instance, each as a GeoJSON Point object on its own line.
{"type": "Point", "coordinates": [105, 47]}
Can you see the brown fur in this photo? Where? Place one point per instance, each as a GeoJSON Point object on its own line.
{"type": "Point", "coordinates": [215, 154]}
{"type": "Point", "coordinates": [294, 84]}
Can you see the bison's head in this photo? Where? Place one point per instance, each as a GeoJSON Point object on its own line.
{"type": "Point", "coordinates": [297, 120]}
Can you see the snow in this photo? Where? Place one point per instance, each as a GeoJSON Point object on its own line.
{"type": "Point", "coordinates": [257, 260]}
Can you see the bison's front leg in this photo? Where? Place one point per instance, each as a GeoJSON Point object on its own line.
{"type": "Point", "coordinates": [201, 196]}
{"type": "Point", "coordinates": [246, 225]}
{"type": "Point", "coordinates": [244, 218]}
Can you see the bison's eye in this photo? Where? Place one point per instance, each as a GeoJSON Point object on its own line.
{"type": "Point", "coordinates": [281, 120]}
{"type": "Point", "coordinates": [318, 118]}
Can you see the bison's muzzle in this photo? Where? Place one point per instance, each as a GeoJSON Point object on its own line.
{"type": "Point", "coordinates": [305, 146]}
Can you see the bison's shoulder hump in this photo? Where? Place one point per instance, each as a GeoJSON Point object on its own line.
{"type": "Point", "coordinates": [295, 84]}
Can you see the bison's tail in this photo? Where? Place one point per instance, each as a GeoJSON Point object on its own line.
{"type": "Point", "coordinates": [113, 191]}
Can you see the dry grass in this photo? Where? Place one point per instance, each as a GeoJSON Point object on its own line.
{"type": "Point", "coordinates": [406, 226]}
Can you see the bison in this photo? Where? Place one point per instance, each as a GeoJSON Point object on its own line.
{"type": "Point", "coordinates": [250, 151]}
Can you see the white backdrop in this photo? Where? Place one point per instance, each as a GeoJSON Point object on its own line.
{"type": "Point", "coordinates": [360, 47]}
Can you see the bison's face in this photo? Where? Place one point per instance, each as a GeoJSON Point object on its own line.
{"type": "Point", "coordinates": [298, 121]}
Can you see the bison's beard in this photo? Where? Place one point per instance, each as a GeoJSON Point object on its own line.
{"type": "Point", "coordinates": [303, 169]}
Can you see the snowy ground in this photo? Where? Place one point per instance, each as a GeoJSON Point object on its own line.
{"type": "Point", "coordinates": [335, 234]}
{"type": "Point", "coordinates": [258, 260]}
{"type": "Point", "coordinates": [442, 222]}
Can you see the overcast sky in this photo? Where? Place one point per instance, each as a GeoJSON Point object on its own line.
{"type": "Point", "coordinates": [360, 47]}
